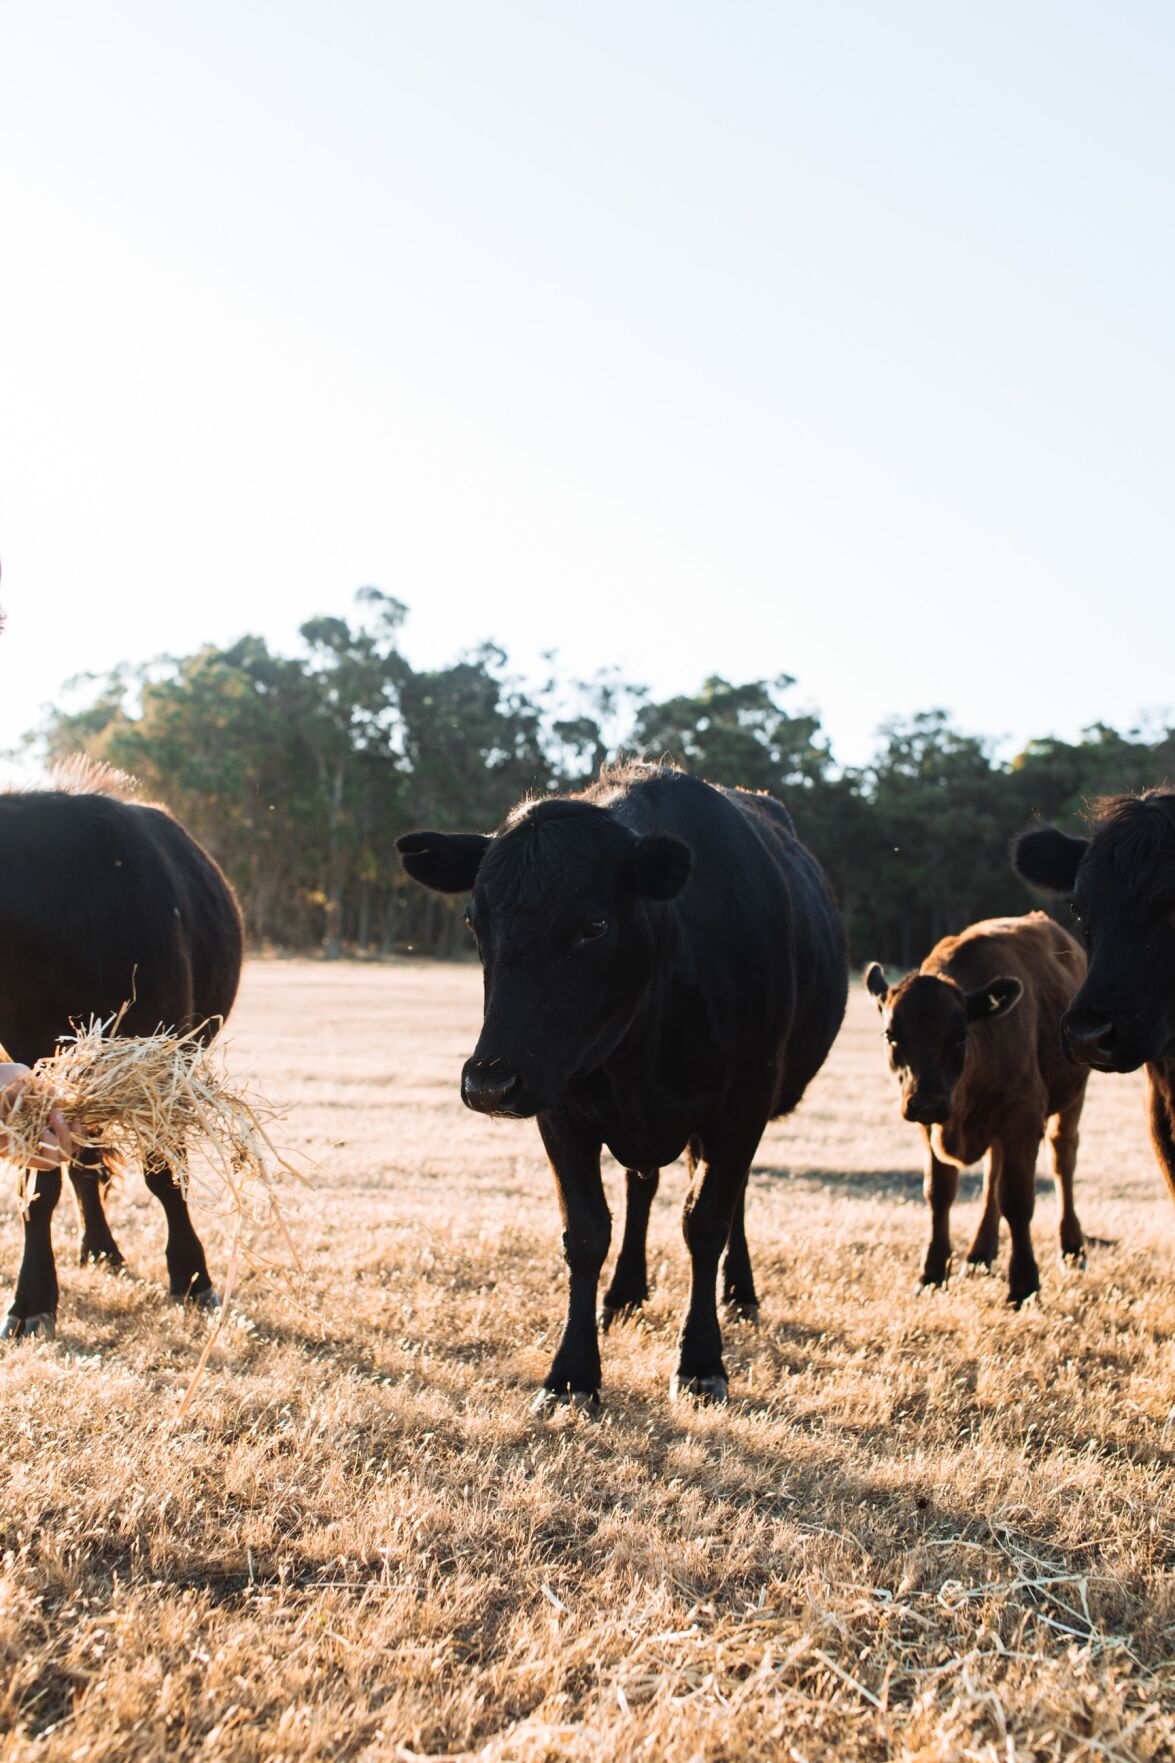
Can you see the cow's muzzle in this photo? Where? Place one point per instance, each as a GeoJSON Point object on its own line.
{"type": "Point", "coordinates": [489, 1087]}
{"type": "Point", "coordinates": [1092, 1037]}
{"type": "Point", "coordinates": [927, 1110]}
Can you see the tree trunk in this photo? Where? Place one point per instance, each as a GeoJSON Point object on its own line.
{"type": "Point", "coordinates": [363, 929]}
{"type": "Point", "coordinates": [333, 915]}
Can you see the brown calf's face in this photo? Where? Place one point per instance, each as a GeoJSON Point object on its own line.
{"type": "Point", "coordinates": [927, 1022]}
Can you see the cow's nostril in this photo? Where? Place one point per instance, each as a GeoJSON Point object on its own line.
{"type": "Point", "coordinates": [927, 1110]}
{"type": "Point", "coordinates": [1091, 1040]}
{"type": "Point", "coordinates": [487, 1085]}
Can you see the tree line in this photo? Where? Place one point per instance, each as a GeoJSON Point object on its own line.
{"type": "Point", "coordinates": [300, 771]}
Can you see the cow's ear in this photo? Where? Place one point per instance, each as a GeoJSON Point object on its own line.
{"type": "Point", "coordinates": [661, 866]}
{"type": "Point", "coordinates": [994, 999]}
{"type": "Point", "coordinates": [1048, 858]}
{"type": "Point", "coordinates": [448, 862]}
{"type": "Point", "coordinates": [876, 983]}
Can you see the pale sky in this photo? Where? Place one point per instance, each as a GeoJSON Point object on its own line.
{"type": "Point", "coordinates": [832, 339]}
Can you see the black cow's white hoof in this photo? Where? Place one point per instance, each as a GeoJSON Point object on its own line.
{"type": "Point", "coordinates": [208, 1299]}
{"type": "Point", "coordinates": [548, 1402]}
{"type": "Point", "coordinates": [738, 1310]}
{"type": "Point", "coordinates": [111, 1260]}
{"type": "Point", "coordinates": [20, 1328]}
{"type": "Point", "coordinates": [1074, 1258]}
{"type": "Point", "coordinates": [707, 1390]}
{"type": "Point", "coordinates": [977, 1268]}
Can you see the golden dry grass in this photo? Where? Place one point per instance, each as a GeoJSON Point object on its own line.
{"type": "Point", "coordinates": [924, 1529]}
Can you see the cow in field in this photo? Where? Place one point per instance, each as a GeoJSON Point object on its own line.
{"type": "Point", "coordinates": [105, 899]}
{"type": "Point", "coordinates": [665, 972]}
{"type": "Point", "coordinates": [973, 1037]}
{"type": "Point", "coordinates": [1121, 883]}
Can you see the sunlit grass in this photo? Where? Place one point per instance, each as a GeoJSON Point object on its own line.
{"type": "Point", "coordinates": [924, 1528]}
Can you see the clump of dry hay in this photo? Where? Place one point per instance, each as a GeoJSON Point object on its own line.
{"type": "Point", "coordinates": [157, 1101]}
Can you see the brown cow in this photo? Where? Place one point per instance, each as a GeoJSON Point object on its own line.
{"type": "Point", "coordinates": [974, 1037]}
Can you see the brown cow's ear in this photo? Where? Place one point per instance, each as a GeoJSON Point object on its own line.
{"type": "Point", "coordinates": [1048, 858]}
{"type": "Point", "coordinates": [876, 983]}
{"type": "Point", "coordinates": [446, 862]}
{"type": "Point", "coordinates": [994, 999]}
{"type": "Point", "coordinates": [661, 866]}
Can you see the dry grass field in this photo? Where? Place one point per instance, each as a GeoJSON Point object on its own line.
{"type": "Point", "coordinates": [923, 1529]}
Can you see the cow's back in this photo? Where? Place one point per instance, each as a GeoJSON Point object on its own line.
{"type": "Point", "coordinates": [104, 901]}
{"type": "Point", "coordinates": [820, 972]}
{"type": "Point", "coordinates": [1050, 965]}
{"type": "Point", "coordinates": [756, 924]}
{"type": "Point", "coordinates": [209, 920]}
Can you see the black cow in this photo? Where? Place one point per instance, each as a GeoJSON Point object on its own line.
{"type": "Point", "coordinates": [103, 899]}
{"type": "Point", "coordinates": [665, 972]}
{"type": "Point", "coordinates": [1121, 882]}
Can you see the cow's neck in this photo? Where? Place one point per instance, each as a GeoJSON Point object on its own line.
{"type": "Point", "coordinates": [645, 1097]}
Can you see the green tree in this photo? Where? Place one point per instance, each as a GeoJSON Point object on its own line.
{"type": "Point", "coordinates": [737, 734]}
{"type": "Point", "coordinates": [350, 727]}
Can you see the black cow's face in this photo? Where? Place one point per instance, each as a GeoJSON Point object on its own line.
{"type": "Point", "coordinates": [559, 909]}
{"type": "Point", "coordinates": [927, 1022]}
{"type": "Point", "coordinates": [1121, 884]}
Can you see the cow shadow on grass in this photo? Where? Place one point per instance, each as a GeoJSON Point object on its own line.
{"type": "Point", "coordinates": [902, 1185]}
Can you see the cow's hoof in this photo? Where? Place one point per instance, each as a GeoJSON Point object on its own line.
{"type": "Point", "coordinates": [1074, 1258]}
{"type": "Point", "coordinates": [21, 1328]}
{"type": "Point", "coordinates": [926, 1288]}
{"type": "Point", "coordinates": [740, 1310]}
{"type": "Point", "coordinates": [704, 1390]}
{"type": "Point", "coordinates": [1022, 1300]}
{"type": "Point", "coordinates": [208, 1299]}
{"type": "Point", "coordinates": [610, 1313]}
{"type": "Point", "coordinates": [548, 1401]}
{"type": "Point", "coordinates": [977, 1267]}
{"type": "Point", "coordinates": [110, 1260]}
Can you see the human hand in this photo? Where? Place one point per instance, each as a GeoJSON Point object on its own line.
{"type": "Point", "coordinates": [57, 1143]}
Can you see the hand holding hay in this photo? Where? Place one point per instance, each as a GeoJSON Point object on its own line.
{"type": "Point", "coordinates": [153, 1101]}
{"type": "Point", "coordinates": [56, 1144]}
{"type": "Point", "coordinates": [149, 1100]}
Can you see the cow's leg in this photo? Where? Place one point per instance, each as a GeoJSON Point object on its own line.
{"type": "Point", "coordinates": [1017, 1189]}
{"type": "Point", "coordinates": [738, 1282]}
{"type": "Point", "coordinates": [1062, 1140]}
{"type": "Point", "coordinates": [629, 1286]}
{"type": "Point", "coordinates": [587, 1231]}
{"type": "Point", "coordinates": [98, 1244]}
{"type": "Point", "coordinates": [187, 1270]}
{"type": "Point", "coordinates": [33, 1310]}
{"type": "Point", "coordinates": [1161, 1112]}
{"type": "Point", "coordinates": [940, 1185]}
{"type": "Point", "coordinates": [986, 1244]}
{"type": "Point", "coordinates": [709, 1214]}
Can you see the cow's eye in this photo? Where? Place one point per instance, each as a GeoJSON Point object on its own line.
{"type": "Point", "coordinates": [592, 931]}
